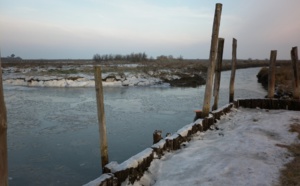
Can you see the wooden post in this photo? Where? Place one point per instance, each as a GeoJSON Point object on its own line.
{"type": "Point", "coordinates": [271, 76]}
{"type": "Point", "coordinates": [3, 136]}
{"type": "Point", "coordinates": [233, 67]}
{"type": "Point", "coordinates": [296, 88]}
{"type": "Point", "coordinates": [101, 115]}
{"type": "Point", "coordinates": [212, 60]}
{"type": "Point", "coordinates": [218, 73]}
{"type": "Point", "coordinates": [157, 136]}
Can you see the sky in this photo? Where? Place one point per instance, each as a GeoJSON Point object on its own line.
{"type": "Point", "coordinates": [78, 29]}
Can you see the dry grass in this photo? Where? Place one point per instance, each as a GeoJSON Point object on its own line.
{"type": "Point", "coordinates": [283, 78]}
{"type": "Point", "coordinates": [185, 66]}
{"type": "Point", "coordinates": [282, 74]}
{"type": "Point", "coordinates": [290, 176]}
{"type": "Point", "coordinates": [188, 63]}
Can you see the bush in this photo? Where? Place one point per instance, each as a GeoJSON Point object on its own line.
{"type": "Point", "coordinates": [97, 58]}
{"type": "Point", "coordinates": [133, 57]}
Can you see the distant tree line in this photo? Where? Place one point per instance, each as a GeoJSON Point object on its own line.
{"type": "Point", "coordinates": [168, 58]}
{"type": "Point", "coordinates": [133, 57]}
{"type": "Point", "coordinates": [11, 58]}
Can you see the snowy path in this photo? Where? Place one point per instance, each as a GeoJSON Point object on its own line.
{"type": "Point", "coordinates": [242, 152]}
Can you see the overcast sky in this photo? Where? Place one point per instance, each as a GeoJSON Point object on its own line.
{"type": "Point", "coordinates": [62, 29]}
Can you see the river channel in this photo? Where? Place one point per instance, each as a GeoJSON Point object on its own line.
{"type": "Point", "coordinates": [53, 134]}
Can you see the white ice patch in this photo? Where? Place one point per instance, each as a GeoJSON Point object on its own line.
{"type": "Point", "coordinates": [80, 80]}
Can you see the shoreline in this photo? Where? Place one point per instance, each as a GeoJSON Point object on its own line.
{"type": "Point", "coordinates": [145, 168]}
{"type": "Point", "coordinates": [79, 73]}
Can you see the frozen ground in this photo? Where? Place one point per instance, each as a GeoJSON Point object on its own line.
{"type": "Point", "coordinates": [80, 80]}
{"type": "Point", "coordinates": [242, 151]}
{"type": "Point", "coordinates": [69, 76]}
{"type": "Point", "coordinates": [113, 75]}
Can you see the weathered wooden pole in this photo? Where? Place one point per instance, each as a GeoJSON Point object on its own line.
{"type": "Point", "coordinates": [3, 136]}
{"type": "Point", "coordinates": [218, 73]}
{"type": "Point", "coordinates": [212, 60]}
{"type": "Point", "coordinates": [157, 136]}
{"type": "Point", "coordinates": [101, 115]}
{"type": "Point", "coordinates": [233, 67]}
{"type": "Point", "coordinates": [271, 75]}
{"type": "Point", "coordinates": [296, 84]}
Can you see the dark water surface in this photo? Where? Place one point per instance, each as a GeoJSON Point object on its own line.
{"type": "Point", "coordinates": [53, 134]}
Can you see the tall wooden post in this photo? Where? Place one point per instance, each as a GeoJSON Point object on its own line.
{"type": "Point", "coordinates": [218, 73]}
{"type": "Point", "coordinates": [212, 60]}
{"type": "Point", "coordinates": [3, 136]}
{"type": "Point", "coordinates": [233, 67]}
{"type": "Point", "coordinates": [296, 88]}
{"type": "Point", "coordinates": [271, 75]}
{"type": "Point", "coordinates": [101, 115]}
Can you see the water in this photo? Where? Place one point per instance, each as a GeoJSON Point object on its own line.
{"type": "Point", "coordinates": [53, 134]}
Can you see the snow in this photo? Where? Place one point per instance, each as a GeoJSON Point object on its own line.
{"type": "Point", "coordinates": [132, 162]}
{"type": "Point", "coordinates": [183, 132]}
{"type": "Point", "coordinates": [25, 77]}
{"type": "Point", "coordinates": [222, 108]}
{"type": "Point", "coordinates": [159, 144]}
{"type": "Point", "coordinates": [80, 81]}
{"type": "Point", "coordinates": [242, 152]}
{"type": "Point", "coordinates": [99, 180]}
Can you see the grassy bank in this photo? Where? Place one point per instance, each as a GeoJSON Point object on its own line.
{"type": "Point", "coordinates": [184, 64]}
{"type": "Point", "coordinates": [283, 78]}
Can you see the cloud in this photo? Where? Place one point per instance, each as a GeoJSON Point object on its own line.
{"type": "Point", "coordinates": [152, 26]}
{"type": "Point", "coordinates": [108, 25]}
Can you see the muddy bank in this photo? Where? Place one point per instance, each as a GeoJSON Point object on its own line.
{"type": "Point", "coordinates": [194, 80]}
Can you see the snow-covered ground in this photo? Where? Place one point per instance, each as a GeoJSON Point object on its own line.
{"type": "Point", "coordinates": [242, 151]}
{"type": "Point", "coordinates": [82, 76]}
{"type": "Point", "coordinates": [30, 77]}
{"type": "Point", "coordinates": [80, 80]}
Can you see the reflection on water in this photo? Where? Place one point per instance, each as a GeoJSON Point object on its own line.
{"type": "Point", "coordinates": [53, 133]}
